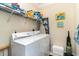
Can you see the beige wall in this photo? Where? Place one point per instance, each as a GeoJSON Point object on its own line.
{"type": "Point", "coordinates": [59, 35]}
{"type": "Point", "coordinates": [77, 14]}
{"type": "Point", "coordinates": [18, 23]}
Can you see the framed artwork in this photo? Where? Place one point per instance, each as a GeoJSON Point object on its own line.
{"type": "Point", "coordinates": [60, 24]}
{"type": "Point", "coordinates": [60, 16]}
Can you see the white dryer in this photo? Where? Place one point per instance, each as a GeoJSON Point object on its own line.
{"type": "Point", "coordinates": [30, 44]}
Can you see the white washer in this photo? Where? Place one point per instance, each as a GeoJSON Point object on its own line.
{"type": "Point", "coordinates": [34, 45]}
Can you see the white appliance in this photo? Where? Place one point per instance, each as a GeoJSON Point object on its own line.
{"type": "Point", "coordinates": [57, 50]}
{"type": "Point", "coordinates": [30, 44]}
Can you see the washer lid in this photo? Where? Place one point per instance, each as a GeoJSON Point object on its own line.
{"type": "Point", "coordinates": [15, 36]}
{"type": "Point", "coordinates": [31, 39]}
